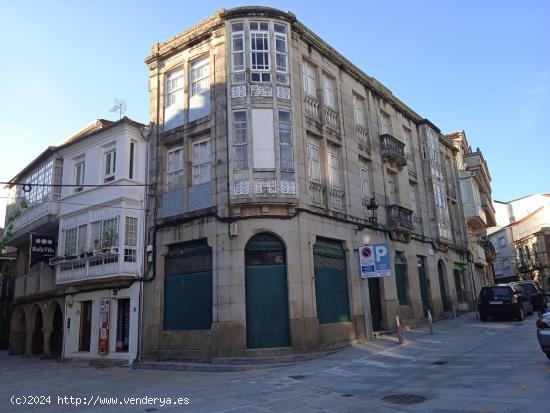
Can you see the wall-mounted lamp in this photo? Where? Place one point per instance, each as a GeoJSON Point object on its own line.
{"type": "Point", "coordinates": [372, 218]}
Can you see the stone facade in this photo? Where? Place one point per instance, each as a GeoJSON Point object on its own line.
{"type": "Point", "coordinates": [291, 146]}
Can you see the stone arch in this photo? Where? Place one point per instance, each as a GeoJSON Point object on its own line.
{"type": "Point", "coordinates": [36, 327]}
{"type": "Point", "coordinates": [18, 331]}
{"type": "Point", "coordinates": [53, 340]}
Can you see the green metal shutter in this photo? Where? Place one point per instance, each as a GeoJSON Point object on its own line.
{"type": "Point", "coordinates": [188, 287]}
{"type": "Point", "coordinates": [331, 284]}
{"type": "Point", "coordinates": [401, 283]}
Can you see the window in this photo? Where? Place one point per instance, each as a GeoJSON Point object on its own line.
{"type": "Point", "coordinates": [174, 170]}
{"type": "Point", "coordinates": [506, 263]}
{"type": "Point", "coordinates": [309, 79]}
{"type": "Point", "coordinates": [123, 325]}
{"type": "Point", "coordinates": [281, 51]}
{"type": "Point", "coordinates": [130, 237]}
{"type": "Point", "coordinates": [109, 233]}
{"type": "Point", "coordinates": [237, 46]}
{"type": "Point", "coordinates": [414, 206]}
{"type": "Point", "coordinates": [199, 100]}
{"type": "Point", "coordinates": [201, 162]}
{"type": "Point", "coordinates": [333, 168]}
{"type": "Point", "coordinates": [40, 180]}
{"type": "Point", "coordinates": [358, 108]}
{"type": "Point", "coordinates": [240, 140]}
{"type": "Point", "coordinates": [407, 138]}
{"type": "Point", "coordinates": [109, 165]}
{"type": "Point", "coordinates": [386, 122]}
{"type": "Point", "coordinates": [131, 171]}
{"type": "Point", "coordinates": [79, 175]}
{"type": "Point", "coordinates": [82, 238]}
{"type": "Point", "coordinates": [313, 163]}
{"type": "Point", "coordinates": [391, 189]}
{"type": "Point", "coordinates": [173, 109]}
{"type": "Point", "coordinates": [502, 241]}
{"type": "Point", "coordinates": [259, 51]}
{"type": "Point", "coordinates": [285, 140]}
{"type": "Point", "coordinates": [328, 91]}
{"type": "Point", "coordinates": [365, 184]}
{"type": "Point", "coordinates": [71, 241]}
{"type": "Point", "coordinates": [263, 139]}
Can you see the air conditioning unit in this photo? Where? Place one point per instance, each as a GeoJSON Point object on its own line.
{"type": "Point", "coordinates": [114, 250]}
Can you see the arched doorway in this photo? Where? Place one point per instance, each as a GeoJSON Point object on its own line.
{"type": "Point", "coordinates": [443, 289]}
{"type": "Point", "coordinates": [37, 344]}
{"type": "Point", "coordinates": [56, 337]}
{"type": "Point", "coordinates": [266, 292]}
{"type": "Point", "coordinates": [18, 332]}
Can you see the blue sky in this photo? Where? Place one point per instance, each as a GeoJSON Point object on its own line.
{"type": "Point", "coordinates": [479, 66]}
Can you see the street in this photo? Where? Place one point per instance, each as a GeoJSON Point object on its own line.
{"type": "Point", "coordinates": [465, 366]}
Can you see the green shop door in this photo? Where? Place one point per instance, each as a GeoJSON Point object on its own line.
{"type": "Point", "coordinates": [423, 281]}
{"type": "Point", "coordinates": [266, 293]}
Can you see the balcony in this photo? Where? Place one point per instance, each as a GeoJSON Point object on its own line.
{"type": "Point", "coordinates": [35, 283]}
{"type": "Point", "coordinates": [331, 119]}
{"type": "Point", "coordinates": [479, 254]}
{"type": "Point", "coordinates": [316, 193]}
{"type": "Point", "coordinates": [312, 107]}
{"type": "Point", "coordinates": [96, 266]}
{"type": "Point", "coordinates": [400, 218]}
{"type": "Point", "coordinates": [336, 199]}
{"type": "Point", "coordinates": [39, 218]}
{"type": "Point", "coordinates": [392, 150]}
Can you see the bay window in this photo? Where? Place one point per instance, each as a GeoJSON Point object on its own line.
{"type": "Point", "coordinates": [285, 140]}
{"type": "Point", "coordinates": [237, 47]}
{"type": "Point", "coordinates": [130, 239]}
{"type": "Point", "coordinates": [259, 52]}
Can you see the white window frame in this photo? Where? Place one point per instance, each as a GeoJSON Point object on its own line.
{"type": "Point", "coordinates": [314, 163]}
{"type": "Point", "coordinates": [109, 164]}
{"type": "Point", "coordinates": [243, 145]}
{"type": "Point", "coordinates": [173, 84]}
{"type": "Point", "coordinates": [79, 173]}
{"type": "Point", "coordinates": [334, 173]}
{"type": "Point", "coordinates": [365, 181]}
{"type": "Point", "coordinates": [236, 34]}
{"type": "Point", "coordinates": [174, 172]}
{"type": "Point", "coordinates": [201, 164]}
{"type": "Point", "coordinates": [130, 239]}
{"type": "Point", "coordinates": [285, 147]}
{"type": "Point", "coordinates": [359, 110]}
{"type": "Point", "coordinates": [308, 71]}
{"type": "Point", "coordinates": [199, 76]}
{"type": "Point", "coordinates": [264, 70]}
{"type": "Point", "coordinates": [281, 37]}
{"type": "Point", "coordinates": [329, 91]}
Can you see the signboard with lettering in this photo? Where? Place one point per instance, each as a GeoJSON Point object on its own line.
{"type": "Point", "coordinates": [374, 261]}
{"type": "Point", "coordinates": [42, 248]}
{"type": "Point", "coordinates": [104, 312]}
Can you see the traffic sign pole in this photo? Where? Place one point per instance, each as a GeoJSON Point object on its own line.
{"type": "Point", "coordinates": [366, 309]}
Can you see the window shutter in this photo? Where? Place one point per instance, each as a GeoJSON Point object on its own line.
{"type": "Point", "coordinates": [263, 141]}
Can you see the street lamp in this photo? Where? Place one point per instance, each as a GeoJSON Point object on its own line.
{"type": "Point", "coordinates": [372, 218]}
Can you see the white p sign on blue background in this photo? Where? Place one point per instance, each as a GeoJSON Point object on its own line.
{"type": "Point", "coordinates": [374, 261]}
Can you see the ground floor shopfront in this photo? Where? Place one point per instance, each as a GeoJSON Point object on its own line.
{"type": "Point", "coordinates": [102, 324]}
{"type": "Point", "coordinates": [278, 286]}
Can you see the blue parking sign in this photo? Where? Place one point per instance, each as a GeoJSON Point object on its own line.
{"type": "Point", "coordinates": [374, 261]}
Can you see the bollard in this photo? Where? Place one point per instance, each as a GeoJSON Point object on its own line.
{"type": "Point", "coordinates": [400, 337]}
{"type": "Point", "coordinates": [430, 322]}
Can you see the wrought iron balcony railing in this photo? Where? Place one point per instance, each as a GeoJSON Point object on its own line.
{"type": "Point", "coordinates": [392, 150]}
{"type": "Point", "coordinates": [400, 218]}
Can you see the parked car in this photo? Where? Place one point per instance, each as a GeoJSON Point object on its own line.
{"type": "Point", "coordinates": [503, 300]}
{"type": "Point", "coordinates": [543, 333]}
{"type": "Point", "coordinates": [535, 292]}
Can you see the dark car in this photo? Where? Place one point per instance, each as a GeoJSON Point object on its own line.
{"type": "Point", "coordinates": [503, 300]}
{"type": "Point", "coordinates": [535, 293]}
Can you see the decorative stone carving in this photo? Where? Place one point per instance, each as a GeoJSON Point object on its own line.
{"type": "Point", "coordinates": [238, 91]}
{"type": "Point", "coordinates": [283, 92]}
{"type": "Point", "coordinates": [288, 187]}
{"type": "Point", "coordinates": [260, 90]}
{"type": "Point", "coordinates": [265, 186]}
{"type": "Point", "coordinates": [241, 188]}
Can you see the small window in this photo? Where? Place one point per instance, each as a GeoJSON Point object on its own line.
{"type": "Point", "coordinates": [328, 91]}
{"type": "Point", "coordinates": [285, 140]}
{"type": "Point", "coordinates": [240, 140]}
{"type": "Point", "coordinates": [314, 166]}
{"type": "Point", "coordinates": [174, 170]}
{"type": "Point", "coordinates": [109, 164]}
{"type": "Point", "coordinates": [201, 162]}
{"type": "Point", "coordinates": [79, 169]}
{"type": "Point", "coordinates": [131, 172]}
{"type": "Point", "coordinates": [309, 79]}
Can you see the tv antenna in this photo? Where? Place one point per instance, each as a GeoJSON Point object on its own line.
{"type": "Point", "coordinates": [120, 107]}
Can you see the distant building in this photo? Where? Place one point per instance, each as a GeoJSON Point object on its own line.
{"type": "Point", "coordinates": [475, 187]}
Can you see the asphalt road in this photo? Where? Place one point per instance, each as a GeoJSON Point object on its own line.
{"type": "Point", "coordinates": [465, 366]}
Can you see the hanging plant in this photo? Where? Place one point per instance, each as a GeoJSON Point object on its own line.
{"type": "Point", "coordinates": [8, 232]}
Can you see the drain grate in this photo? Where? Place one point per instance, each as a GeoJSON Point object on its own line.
{"type": "Point", "coordinates": [439, 363]}
{"type": "Point", "coordinates": [403, 399]}
{"type": "Point", "coordinates": [298, 376]}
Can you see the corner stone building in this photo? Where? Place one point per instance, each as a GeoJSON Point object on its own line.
{"type": "Point", "coordinates": [267, 149]}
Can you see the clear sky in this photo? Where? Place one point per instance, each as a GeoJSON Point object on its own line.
{"type": "Point", "coordinates": [481, 66]}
